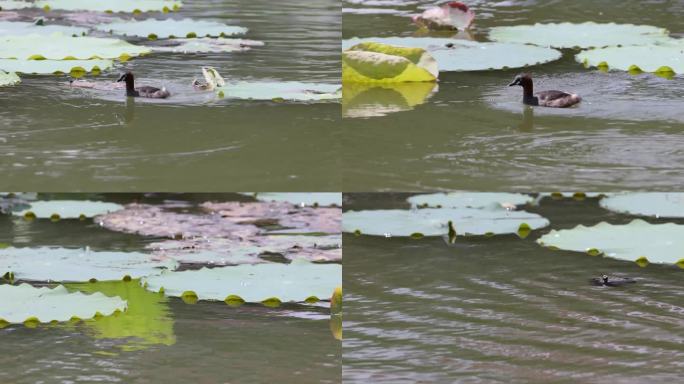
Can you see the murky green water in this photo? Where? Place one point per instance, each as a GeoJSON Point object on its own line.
{"type": "Point", "coordinates": [162, 339]}
{"type": "Point", "coordinates": [472, 131]}
{"type": "Point", "coordinates": [56, 138]}
{"type": "Point", "coordinates": [503, 309]}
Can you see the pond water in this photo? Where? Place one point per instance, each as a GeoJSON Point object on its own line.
{"type": "Point", "coordinates": [162, 339]}
{"type": "Point", "coordinates": [472, 131]}
{"type": "Point", "coordinates": [56, 138]}
{"type": "Point", "coordinates": [503, 309]}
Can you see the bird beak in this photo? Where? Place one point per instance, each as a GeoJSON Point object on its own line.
{"type": "Point", "coordinates": [121, 78]}
{"type": "Point", "coordinates": [515, 82]}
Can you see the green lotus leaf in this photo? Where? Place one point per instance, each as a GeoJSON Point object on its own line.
{"type": "Point", "coordinates": [371, 62]}
{"type": "Point", "coordinates": [146, 322]}
{"type": "Point", "coordinates": [654, 204]}
{"type": "Point", "coordinates": [583, 35]}
{"type": "Point", "coordinates": [29, 305]}
{"type": "Point", "coordinates": [463, 55]}
{"type": "Point", "coordinates": [434, 222]}
{"type": "Point", "coordinates": [280, 90]}
{"type": "Point", "coordinates": [380, 99]}
{"type": "Point", "coordinates": [255, 249]}
{"type": "Point", "coordinates": [78, 265]}
{"type": "Point", "coordinates": [258, 283]}
{"type": "Point", "coordinates": [170, 27]}
{"type": "Point", "coordinates": [12, 4]}
{"type": "Point", "coordinates": [129, 6]}
{"type": "Point", "coordinates": [62, 47]}
{"type": "Point", "coordinates": [8, 78]}
{"type": "Point", "coordinates": [666, 59]}
{"type": "Point", "coordinates": [204, 45]}
{"type": "Point", "coordinates": [68, 209]}
{"type": "Point", "coordinates": [322, 199]}
{"type": "Point", "coordinates": [637, 241]}
{"type": "Point", "coordinates": [20, 28]}
{"type": "Point", "coordinates": [470, 199]}
{"type": "Point", "coordinates": [54, 66]}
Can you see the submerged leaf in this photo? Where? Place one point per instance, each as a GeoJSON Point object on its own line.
{"type": "Point", "coordinates": [470, 199]}
{"type": "Point", "coordinates": [170, 27]}
{"type": "Point", "coordinates": [462, 55]}
{"type": "Point", "coordinates": [75, 265]}
{"type": "Point", "coordinates": [656, 243]}
{"type": "Point", "coordinates": [434, 222]}
{"type": "Point", "coordinates": [371, 62]}
{"type": "Point", "coordinates": [253, 283]}
{"type": "Point", "coordinates": [654, 204]}
{"type": "Point", "coordinates": [322, 199]}
{"type": "Point", "coordinates": [8, 78]}
{"type": "Point", "coordinates": [110, 6]}
{"type": "Point", "coordinates": [147, 320]}
{"type": "Point", "coordinates": [24, 303]}
{"type": "Point", "coordinates": [583, 35]}
{"type": "Point", "coordinates": [62, 47]}
{"type": "Point", "coordinates": [68, 209]}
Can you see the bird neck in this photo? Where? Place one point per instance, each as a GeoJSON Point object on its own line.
{"type": "Point", "coordinates": [527, 89]}
{"type": "Point", "coordinates": [130, 86]}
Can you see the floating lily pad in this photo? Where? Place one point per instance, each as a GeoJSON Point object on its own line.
{"type": "Point", "coordinates": [280, 91]}
{"type": "Point", "coordinates": [160, 29]}
{"type": "Point", "coordinates": [655, 204]}
{"type": "Point", "coordinates": [271, 283]}
{"type": "Point", "coordinates": [583, 35]}
{"type": "Point", "coordinates": [111, 6]}
{"type": "Point", "coordinates": [292, 218]}
{"type": "Point", "coordinates": [666, 59]}
{"type": "Point", "coordinates": [29, 305]}
{"type": "Point", "coordinates": [471, 199]}
{"type": "Point", "coordinates": [303, 199]}
{"type": "Point", "coordinates": [204, 44]}
{"type": "Point", "coordinates": [637, 241]}
{"type": "Point", "coordinates": [19, 28]}
{"type": "Point", "coordinates": [12, 4]}
{"type": "Point", "coordinates": [8, 78]}
{"type": "Point", "coordinates": [55, 66]}
{"type": "Point", "coordinates": [61, 47]}
{"type": "Point", "coordinates": [371, 62]}
{"type": "Point", "coordinates": [434, 222]}
{"type": "Point", "coordinates": [146, 322]}
{"type": "Point", "coordinates": [380, 99]}
{"type": "Point", "coordinates": [68, 209]}
{"type": "Point", "coordinates": [463, 55]}
{"type": "Point", "coordinates": [77, 265]}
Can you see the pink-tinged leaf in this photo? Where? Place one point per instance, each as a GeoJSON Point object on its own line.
{"type": "Point", "coordinates": [453, 15]}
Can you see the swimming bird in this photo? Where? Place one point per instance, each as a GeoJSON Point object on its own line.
{"type": "Point", "coordinates": [555, 99]}
{"type": "Point", "coordinates": [604, 280]}
{"type": "Point", "coordinates": [145, 91]}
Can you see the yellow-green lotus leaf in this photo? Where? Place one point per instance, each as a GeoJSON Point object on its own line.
{"type": "Point", "coordinates": [147, 321]}
{"type": "Point", "coordinates": [371, 62]}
